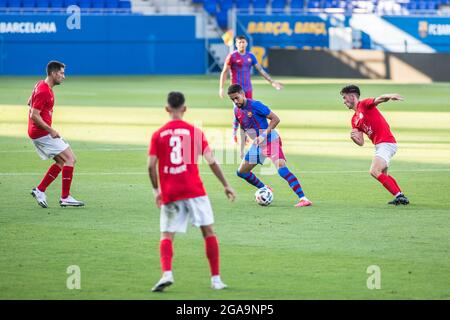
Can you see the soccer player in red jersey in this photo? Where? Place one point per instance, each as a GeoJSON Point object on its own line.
{"type": "Point", "coordinates": [369, 120]}
{"type": "Point", "coordinates": [46, 139]}
{"type": "Point", "coordinates": [240, 62]}
{"type": "Point", "coordinates": [173, 155]}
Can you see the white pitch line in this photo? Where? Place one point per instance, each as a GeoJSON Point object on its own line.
{"type": "Point", "coordinates": [210, 173]}
{"type": "Point", "coordinates": [81, 150]}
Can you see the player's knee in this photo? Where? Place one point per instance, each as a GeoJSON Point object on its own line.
{"type": "Point", "coordinates": [374, 172]}
{"type": "Point", "coordinates": [207, 231]}
{"type": "Point", "coordinates": [241, 174]}
{"type": "Point", "coordinates": [71, 160]}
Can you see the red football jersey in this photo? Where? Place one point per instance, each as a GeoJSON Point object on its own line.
{"type": "Point", "coordinates": [369, 120]}
{"type": "Point", "coordinates": [42, 99]}
{"type": "Point", "coordinates": [177, 145]}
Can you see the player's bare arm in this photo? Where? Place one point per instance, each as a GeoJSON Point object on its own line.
{"type": "Point", "coordinates": [223, 77]}
{"type": "Point", "coordinates": [37, 119]}
{"type": "Point", "coordinates": [387, 97]}
{"type": "Point", "coordinates": [215, 168]}
{"type": "Point", "coordinates": [153, 174]}
{"type": "Point", "coordinates": [357, 137]}
{"type": "Point", "coordinates": [274, 121]}
{"type": "Point", "coordinates": [277, 85]}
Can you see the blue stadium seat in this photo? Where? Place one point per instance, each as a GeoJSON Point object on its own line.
{"type": "Point", "coordinates": [314, 4]}
{"type": "Point", "coordinates": [422, 5]}
{"type": "Point", "coordinates": [125, 6]}
{"type": "Point", "coordinates": [222, 19]}
{"type": "Point", "coordinates": [211, 7]}
{"type": "Point", "coordinates": [113, 4]}
{"type": "Point", "coordinates": [2, 3]}
{"type": "Point", "coordinates": [278, 4]}
{"type": "Point", "coordinates": [225, 5]}
{"type": "Point", "coordinates": [259, 5]}
{"type": "Point", "coordinates": [85, 5]}
{"type": "Point", "coordinates": [198, 1]}
{"type": "Point", "coordinates": [332, 4]}
{"type": "Point", "coordinates": [55, 4]}
{"type": "Point", "coordinates": [432, 5]}
{"type": "Point", "coordinates": [243, 4]}
{"type": "Point", "coordinates": [68, 3]}
{"type": "Point", "coordinates": [297, 4]}
{"type": "Point", "coordinates": [412, 5]}
{"type": "Point", "coordinates": [42, 3]}
{"type": "Point", "coordinates": [14, 3]}
{"type": "Point", "coordinates": [28, 4]}
{"type": "Point", "coordinates": [98, 3]}
{"type": "Point", "coordinates": [98, 6]}
{"type": "Point", "coordinates": [14, 6]}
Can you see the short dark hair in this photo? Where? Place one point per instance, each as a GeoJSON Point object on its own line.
{"type": "Point", "coordinates": [54, 66]}
{"type": "Point", "coordinates": [235, 88]}
{"type": "Point", "coordinates": [241, 38]}
{"type": "Point", "coordinates": [175, 99]}
{"type": "Point", "coordinates": [351, 89]}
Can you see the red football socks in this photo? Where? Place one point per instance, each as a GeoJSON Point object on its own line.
{"type": "Point", "coordinates": [389, 183]}
{"type": "Point", "coordinates": [67, 174]}
{"type": "Point", "coordinates": [166, 254]}
{"type": "Point", "coordinates": [396, 184]}
{"type": "Point", "coordinates": [49, 177]}
{"type": "Point", "coordinates": [212, 252]}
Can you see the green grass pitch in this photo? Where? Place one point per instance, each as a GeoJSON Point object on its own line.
{"type": "Point", "coordinates": [275, 252]}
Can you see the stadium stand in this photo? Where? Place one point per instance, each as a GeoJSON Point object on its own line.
{"type": "Point", "coordinates": [243, 5]}
{"type": "Point", "coordinates": [259, 6]}
{"type": "Point", "coordinates": [211, 7]}
{"type": "Point", "coordinates": [219, 8]}
{"type": "Point", "coordinates": [49, 6]}
{"type": "Point", "coordinates": [278, 5]}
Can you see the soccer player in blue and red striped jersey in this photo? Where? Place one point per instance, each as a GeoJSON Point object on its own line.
{"type": "Point", "coordinates": [240, 63]}
{"type": "Point", "coordinates": [252, 116]}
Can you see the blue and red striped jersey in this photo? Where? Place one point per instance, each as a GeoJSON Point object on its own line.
{"type": "Point", "coordinates": [253, 119]}
{"type": "Point", "coordinates": [241, 68]}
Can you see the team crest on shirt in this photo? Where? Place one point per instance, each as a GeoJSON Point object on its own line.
{"type": "Point", "coordinates": [249, 114]}
{"type": "Point", "coordinates": [361, 116]}
{"type": "Point", "coordinates": [249, 60]}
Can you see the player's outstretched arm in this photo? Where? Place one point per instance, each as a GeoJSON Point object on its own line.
{"type": "Point", "coordinates": [277, 85]}
{"type": "Point", "coordinates": [387, 97]}
{"type": "Point", "coordinates": [223, 77]}
{"type": "Point", "coordinates": [215, 168]}
{"type": "Point", "coordinates": [153, 174]}
{"type": "Point", "coordinates": [357, 137]}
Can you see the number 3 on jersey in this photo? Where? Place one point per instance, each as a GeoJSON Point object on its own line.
{"type": "Point", "coordinates": [175, 155]}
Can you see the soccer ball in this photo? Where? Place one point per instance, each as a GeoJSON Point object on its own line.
{"type": "Point", "coordinates": [263, 196]}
